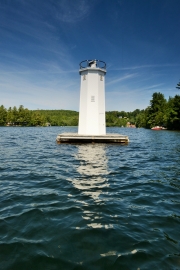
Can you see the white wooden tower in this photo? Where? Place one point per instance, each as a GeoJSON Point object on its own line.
{"type": "Point", "coordinates": [92, 98]}
{"type": "Point", "coordinates": [92, 124]}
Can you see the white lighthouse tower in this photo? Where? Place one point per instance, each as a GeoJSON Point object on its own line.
{"type": "Point", "coordinates": [92, 124]}
{"type": "Point", "coordinates": [92, 98]}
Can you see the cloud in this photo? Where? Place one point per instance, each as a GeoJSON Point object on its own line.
{"type": "Point", "coordinates": [153, 86]}
{"type": "Point", "coordinates": [125, 77]}
{"type": "Point", "coordinates": [70, 11]}
{"type": "Point", "coordinates": [34, 91]}
{"type": "Point", "coordinates": [145, 67]}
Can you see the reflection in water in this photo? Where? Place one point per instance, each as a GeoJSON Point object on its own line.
{"type": "Point", "coordinates": [93, 168]}
{"type": "Point", "coordinates": [92, 179]}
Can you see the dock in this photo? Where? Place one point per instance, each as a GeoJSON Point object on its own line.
{"type": "Point", "coordinates": [77, 138]}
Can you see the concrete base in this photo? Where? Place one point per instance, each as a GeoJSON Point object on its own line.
{"type": "Point", "coordinates": [76, 138]}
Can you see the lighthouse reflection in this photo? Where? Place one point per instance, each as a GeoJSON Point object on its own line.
{"type": "Point", "coordinates": [92, 181]}
{"type": "Point", "coordinates": [92, 170]}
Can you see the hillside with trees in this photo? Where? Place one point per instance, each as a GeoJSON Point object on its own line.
{"type": "Point", "coordinates": [23, 117]}
{"type": "Point", "coordinates": [160, 112]}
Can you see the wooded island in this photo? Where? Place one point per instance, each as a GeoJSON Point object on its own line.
{"type": "Point", "coordinates": [160, 112]}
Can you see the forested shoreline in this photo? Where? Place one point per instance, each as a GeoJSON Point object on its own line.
{"type": "Point", "coordinates": [160, 112]}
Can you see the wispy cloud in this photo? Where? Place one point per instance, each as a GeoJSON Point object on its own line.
{"type": "Point", "coordinates": [39, 92]}
{"type": "Point", "coordinates": [71, 11]}
{"type": "Point", "coordinates": [153, 86]}
{"type": "Point", "coordinates": [123, 78]}
{"type": "Point", "coordinates": [66, 11]}
{"type": "Point", "coordinates": [145, 67]}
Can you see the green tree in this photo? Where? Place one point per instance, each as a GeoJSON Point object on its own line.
{"type": "Point", "coordinates": [27, 117]}
{"type": "Point", "coordinates": [178, 86]}
{"type": "Point", "coordinates": [174, 113]}
{"type": "Point", "coordinates": [141, 119]}
{"type": "Point", "coordinates": [14, 114]}
{"type": "Point", "coordinates": [20, 120]}
{"type": "Point", "coordinates": [3, 115]}
{"type": "Point", "coordinates": [37, 119]}
{"type": "Point", "coordinates": [156, 110]}
{"type": "Point", "coordinates": [9, 115]}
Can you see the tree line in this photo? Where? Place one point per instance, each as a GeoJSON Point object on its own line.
{"type": "Point", "coordinates": [160, 112]}
{"type": "Point", "coordinates": [23, 117]}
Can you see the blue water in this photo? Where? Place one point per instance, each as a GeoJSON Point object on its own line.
{"type": "Point", "coordinates": [89, 206]}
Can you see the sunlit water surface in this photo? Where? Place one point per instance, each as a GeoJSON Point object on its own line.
{"type": "Point", "coordinates": [89, 206]}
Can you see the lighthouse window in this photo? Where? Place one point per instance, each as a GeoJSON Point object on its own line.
{"type": "Point", "coordinates": [84, 77]}
{"type": "Point", "coordinates": [92, 98]}
{"type": "Point", "coordinates": [101, 78]}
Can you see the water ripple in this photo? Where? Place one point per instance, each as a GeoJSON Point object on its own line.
{"type": "Point", "coordinates": [89, 206]}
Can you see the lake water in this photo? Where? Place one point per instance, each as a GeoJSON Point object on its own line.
{"type": "Point", "coordinates": [89, 206]}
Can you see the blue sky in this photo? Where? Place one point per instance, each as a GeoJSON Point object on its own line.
{"type": "Point", "coordinates": [42, 43]}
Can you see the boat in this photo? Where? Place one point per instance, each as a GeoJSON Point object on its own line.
{"type": "Point", "coordinates": [156, 128]}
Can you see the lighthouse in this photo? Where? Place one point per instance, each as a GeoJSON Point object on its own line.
{"type": "Point", "coordinates": [92, 98]}
{"type": "Point", "coordinates": [92, 124]}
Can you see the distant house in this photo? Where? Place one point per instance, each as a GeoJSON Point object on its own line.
{"type": "Point", "coordinates": [130, 125]}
